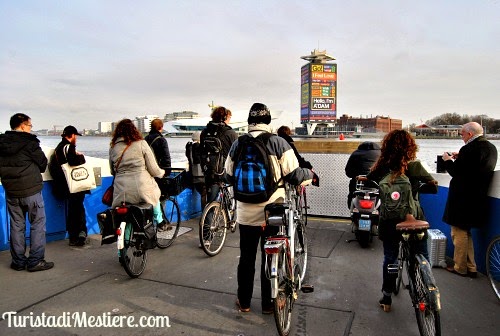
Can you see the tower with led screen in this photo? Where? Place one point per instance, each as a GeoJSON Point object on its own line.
{"type": "Point", "coordinates": [318, 79]}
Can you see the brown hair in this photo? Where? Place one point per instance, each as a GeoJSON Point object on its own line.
{"type": "Point", "coordinates": [398, 148]}
{"type": "Point", "coordinates": [156, 124]}
{"type": "Point", "coordinates": [220, 114]}
{"type": "Point", "coordinates": [127, 130]}
{"type": "Point", "coordinates": [284, 130]}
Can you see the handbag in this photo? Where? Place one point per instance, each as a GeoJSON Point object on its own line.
{"type": "Point", "coordinates": [79, 178]}
{"type": "Point", "coordinates": [107, 197]}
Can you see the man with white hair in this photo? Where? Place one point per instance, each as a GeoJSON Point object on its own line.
{"type": "Point", "coordinates": [467, 205]}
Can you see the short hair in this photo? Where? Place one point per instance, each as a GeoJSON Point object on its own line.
{"type": "Point", "coordinates": [220, 114]}
{"type": "Point", "coordinates": [17, 119]}
{"type": "Point", "coordinates": [473, 127]}
{"type": "Point", "coordinates": [284, 130]}
{"type": "Point", "coordinates": [156, 124]}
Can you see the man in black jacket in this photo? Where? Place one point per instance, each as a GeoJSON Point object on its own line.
{"type": "Point", "coordinates": [359, 163]}
{"type": "Point", "coordinates": [21, 163]}
{"type": "Point", "coordinates": [467, 204]}
{"type": "Point", "coordinates": [65, 152]}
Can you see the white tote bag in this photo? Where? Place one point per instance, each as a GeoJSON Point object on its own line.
{"type": "Point", "coordinates": [79, 178]}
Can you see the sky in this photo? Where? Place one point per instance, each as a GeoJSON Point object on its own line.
{"type": "Point", "coordinates": [83, 61]}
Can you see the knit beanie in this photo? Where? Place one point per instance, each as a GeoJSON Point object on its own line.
{"type": "Point", "coordinates": [259, 114]}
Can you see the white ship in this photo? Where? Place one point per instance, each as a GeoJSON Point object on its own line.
{"type": "Point", "coordinates": [186, 127]}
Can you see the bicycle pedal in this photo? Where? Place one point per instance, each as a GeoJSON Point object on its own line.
{"type": "Point", "coordinates": [307, 288]}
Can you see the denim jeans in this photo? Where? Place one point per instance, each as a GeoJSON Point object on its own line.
{"type": "Point", "coordinates": [18, 208]}
{"type": "Point", "coordinates": [391, 250]}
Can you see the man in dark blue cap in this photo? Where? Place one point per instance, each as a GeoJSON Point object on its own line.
{"type": "Point", "coordinates": [76, 223]}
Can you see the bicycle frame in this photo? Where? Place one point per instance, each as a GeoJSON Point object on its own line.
{"type": "Point", "coordinates": [283, 242]}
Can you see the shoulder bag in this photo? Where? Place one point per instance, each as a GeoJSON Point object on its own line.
{"type": "Point", "coordinates": [79, 178]}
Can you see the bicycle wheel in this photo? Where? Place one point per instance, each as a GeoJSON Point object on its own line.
{"type": "Point", "coordinates": [302, 204]}
{"type": "Point", "coordinates": [213, 228]}
{"type": "Point", "coordinates": [172, 216]}
{"type": "Point", "coordinates": [300, 244]}
{"type": "Point", "coordinates": [283, 303]}
{"type": "Point", "coordinates": [133, 256]}
{"type": "Point", "coordinates": [493, 265]}
{"type": "Point", "coordinates": [425, 296]}
{"type": "Point", "coordinates": [399, 278]}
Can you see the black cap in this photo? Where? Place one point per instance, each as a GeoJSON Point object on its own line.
{"type": "Point", "coordinates": [259, 114]}
{"type": "Point", "coordinates": [69, 130]}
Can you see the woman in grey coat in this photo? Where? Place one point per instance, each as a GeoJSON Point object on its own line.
{"type": "Point", "coordinates": [135, 171]}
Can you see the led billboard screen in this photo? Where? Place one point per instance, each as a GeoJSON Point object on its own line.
{"type": "Point", "coordinates": [318, 101]}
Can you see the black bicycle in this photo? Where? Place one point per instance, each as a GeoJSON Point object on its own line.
{"type": "Point", "coordinates": [217, 217]}
{"type": "Point", "coordinates": [420, 281]}
{"type": "Point", "coordinates": [170, 187]}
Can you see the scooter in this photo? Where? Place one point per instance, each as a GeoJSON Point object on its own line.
{"type": "Point", "coordinates": [364, 211]}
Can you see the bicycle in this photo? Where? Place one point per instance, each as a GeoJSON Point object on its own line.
{"type": "Point", "coordinates": [302, 206]}
{"type": "Point", "coordinates": [170, 187]}
{"type": "Point", "coordinates": [217, 217]}
{"type": "Point", "coordinates": [493, 265]}
{"type": "Point", "coordinates": [286, 257]}
{"type": "Point", "coordinates": [422, 287]}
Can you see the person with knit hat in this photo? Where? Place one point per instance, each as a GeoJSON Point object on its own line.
{"type": "Point", "coordinates": [251, 218]}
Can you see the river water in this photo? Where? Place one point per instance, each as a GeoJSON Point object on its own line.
{"type": "Point", "coordinates": [429, 149]}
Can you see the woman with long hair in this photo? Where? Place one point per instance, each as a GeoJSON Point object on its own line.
{"type": "Point", "coordinates": [134, 166]}
{"type": "Point", "coordinates": [397, 157]}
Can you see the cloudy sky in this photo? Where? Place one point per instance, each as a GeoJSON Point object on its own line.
{"type": "Point", "coordinates": [79, 62]}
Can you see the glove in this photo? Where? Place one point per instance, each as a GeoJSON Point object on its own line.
{"type": "Point", "coordinates": [315, 181]}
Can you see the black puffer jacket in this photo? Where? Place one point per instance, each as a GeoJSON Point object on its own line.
{"type": "Point", "coordinates": [21, 163]}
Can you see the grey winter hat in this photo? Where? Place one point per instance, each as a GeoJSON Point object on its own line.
{"type": "Point", "coordinates": [259, 114]}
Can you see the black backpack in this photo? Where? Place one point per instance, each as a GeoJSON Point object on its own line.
{"type": "Point", "coordinates": [212, 160]}
{"type": "Point", "coordinates": [253, 171]}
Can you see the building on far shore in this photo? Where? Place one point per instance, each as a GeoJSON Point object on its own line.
{"type": "Point", "coordinates": [352, 126]}
{"type": "Point", "coordinates": [452, 131]}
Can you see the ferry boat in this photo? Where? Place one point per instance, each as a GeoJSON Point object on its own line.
{"type": "Point", "coordinates": [186, 127]}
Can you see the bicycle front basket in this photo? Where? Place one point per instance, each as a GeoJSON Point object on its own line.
{"type": "Point", "coordinates": [173, 184]}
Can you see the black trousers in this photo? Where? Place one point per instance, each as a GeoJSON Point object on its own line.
{"type": "Point", "coordinates": [75, 217]}
{"type": "Point", "coordinates": [249, 240]}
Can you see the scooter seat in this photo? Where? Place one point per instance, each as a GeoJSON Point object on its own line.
{"type": "Point", "coordinates": [412, 224]}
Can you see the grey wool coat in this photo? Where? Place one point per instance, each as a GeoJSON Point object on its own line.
{"type": "Point", "coordinates": [134, 180]}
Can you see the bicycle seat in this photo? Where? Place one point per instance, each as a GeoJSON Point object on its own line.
{"type": "Point", "coordinates": [412, 224]}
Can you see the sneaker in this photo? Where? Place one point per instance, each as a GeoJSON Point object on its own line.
{"type": "Point", "coordinates": [16, 267]}
{"type": "Point", "coordinates": [41, 266]}
{"type": "Point", "coordinates": [164, 226]}
{"type": "Point", "coordinates": [385, 303]}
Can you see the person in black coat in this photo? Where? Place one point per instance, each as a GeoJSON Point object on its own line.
{"type": "Point", "coordinates": [219, 127]}
{"type": "Point", "coordinates": [359, 163]}
{"type": "Point", "coordinates": [159, 145]}
{"type": "Point", "coordinates": [471, 170]}
{"type": "Point", "coordinates": [65, 152]}
{"type": "Point", "coordinates": [21, 163]}
{"type": "Point", "coordinates": [284, 132]}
